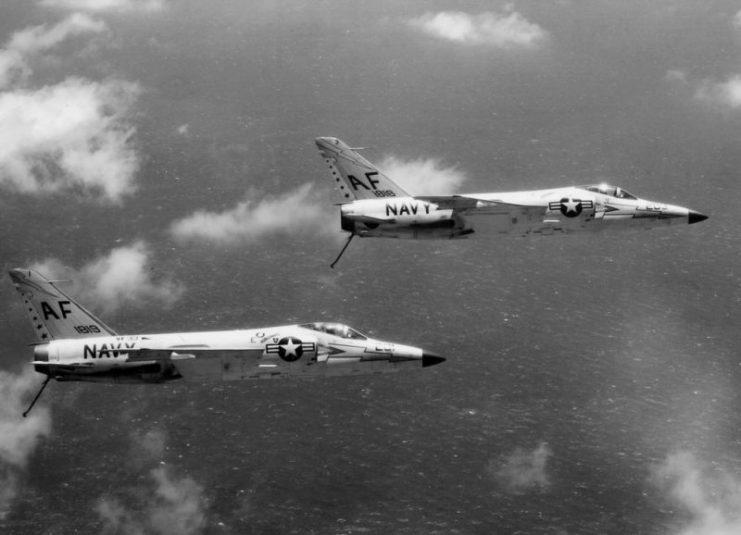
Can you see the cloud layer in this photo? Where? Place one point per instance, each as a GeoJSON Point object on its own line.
{"type": "Point", "coordinates": [169, 505]}
{"type": "Point", "coordinates": [121, 278]}
{"type": "Point", "coordinates": [718, 94]}
{"type": "Point", "coordinates": [710, 496]}
{"type": "Point", "coordinates": [523, 470]}
{"type": "Point", "coordinates": [18, 51]}
{"type": "Point", "coordinates": [294, 212]}
{"type": "Point", "coordinates": [725, 94]}
{"type": "Point", "coordinates": [108, 5]}
{"type": "Point", "coordinates": [73, 135]}
{"type": "Point", "coordinates": [423, 176]}
{"type": "Point", "coordinates": [500, 30]}
{"type": "Point", "coordinates": [18, 436]}
{"type": "Point", "coordinates": [175, 506]}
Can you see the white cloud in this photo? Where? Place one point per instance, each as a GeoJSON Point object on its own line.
{"type": "Point", "coordinates": [710, 496]}
{"type": "Point", "coordinates": [36, 39]}
{"type": "Point", "coordinates": [423, 176]}
{"type": "Point", "coordinates": [174, 507]}
{"type": "Point", "coordinates": [108, 5]}
{"type": "Point", "coordinates": [149, 445]}
{"type": "Point", "coordinates": [121, 278]}
{"type": "Point", "coordinates": [249, 220]}
{"type": "Point", "coordinates": [502, 30]}
{"type": "Point", "coordinates": [737, 20]}
{"type": "Point", "coordinates": [18, 436]}
{"type": "Point", "coordinates": [73, 135]}
{"type": "Point", "coordinates": [726, 94]}
{"type": "Point", "coordinates": [722, 95]}
{"type": "Point", "coordinates": [12, 67]}
{"type": "Point", "coordinates": [41, 38]}
{"type": "Point", "coordinates": [170, 506]}
{"type": "Point", "coordinates": [183, 129]}
{"type": "Point", "coordinates": [676, 76]}
{"type": "Point", "coordinates": [180, 509]}
{"type": "Point", "coordinates": [523, 470]}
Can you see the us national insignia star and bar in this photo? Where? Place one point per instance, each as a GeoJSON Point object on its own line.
{"type": "Point", "coordinates": [290, 349]}
{"type": "Point", "coordinates": [570, 207]}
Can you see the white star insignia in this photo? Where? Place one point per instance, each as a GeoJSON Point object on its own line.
{"type": "Point", "coordinates": [290, 348]}
{"type": "Point", "coordinates": [570, 205]}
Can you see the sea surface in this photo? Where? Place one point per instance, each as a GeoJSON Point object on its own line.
{"type": "Point", "coordinates": [591, 382]}
{"type": "Point", "coordinates": [606, 360]}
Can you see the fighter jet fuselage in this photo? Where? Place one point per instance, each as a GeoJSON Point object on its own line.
{"type": "Point", "coordinates": [310, 349]}
{"type": "Point", "coordinates": [374, 206]}
{"type": "Point", "coordinates": [561, 210]}
{"type": "Point", "coordinates": [73, 345]}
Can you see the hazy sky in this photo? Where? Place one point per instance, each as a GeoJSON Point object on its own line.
{"type": "Point", "coordinates": [158, 152]}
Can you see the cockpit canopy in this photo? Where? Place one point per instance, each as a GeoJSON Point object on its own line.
{"type": "Point", "coordinates": [335, 329]}
{"type": "Point", "coordinates": [612, 191]}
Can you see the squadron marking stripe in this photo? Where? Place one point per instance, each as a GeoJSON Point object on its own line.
{"type": "Point", "coordinates": [556, 205]}
{"type": "Point", "coordinates": [275, 348]}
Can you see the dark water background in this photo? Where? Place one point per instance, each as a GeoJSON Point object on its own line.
{"type": "Point", "coordinates": [610, 351]}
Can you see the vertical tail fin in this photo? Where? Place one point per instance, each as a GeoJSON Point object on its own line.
{"type": "Point", "coordinates": [355, 177]}
{"type": "Point", "coordinates": [53, 313]}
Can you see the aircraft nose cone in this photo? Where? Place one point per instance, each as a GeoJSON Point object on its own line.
{"type": "Point", "coordinates": [431, 359]}
{"type": "Point", "coordinates": [695, 217]}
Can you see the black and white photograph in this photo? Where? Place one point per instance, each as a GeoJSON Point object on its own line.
{"type": "Point", "coordinates": [397, 267]}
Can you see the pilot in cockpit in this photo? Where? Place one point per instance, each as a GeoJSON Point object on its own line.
{"type": "Point", "coordinates": [612, 191]}
{"type": "Point", "coordinates": [335, 329]}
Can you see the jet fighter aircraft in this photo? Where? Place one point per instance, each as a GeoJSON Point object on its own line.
{"type": "Point", "coordinates": [73, 345]}
{"type": "Point", "coordinates": [373, 206]}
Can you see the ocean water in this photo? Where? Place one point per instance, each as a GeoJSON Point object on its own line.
{"type": "Point", "coordinates": [591, 382]}
{"type": "Point", "coordinates": [548, 346]}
